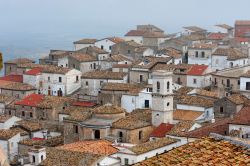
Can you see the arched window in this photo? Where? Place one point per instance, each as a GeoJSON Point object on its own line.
{"type": "Point", "coordinates": [168, 84]}
{"type": "Point", "coordinates": [158, 86]}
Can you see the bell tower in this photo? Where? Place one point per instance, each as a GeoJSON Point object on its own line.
{"type": "Point", "coordinates": [162, 97]}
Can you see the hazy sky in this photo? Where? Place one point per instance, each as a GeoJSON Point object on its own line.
{"type": "Point", "coordinates": [55, 23]}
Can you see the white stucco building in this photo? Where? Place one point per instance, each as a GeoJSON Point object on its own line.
{"type": "Point", "coordinates": [53, 80]}
{"type": "Point", "coordinates": [83, 43]}
{"type": "Point", "coordinates": [6, 122]}
{"type": "Point", "coordinates": [107, 43]}
{"type": "Point", "coordinates": [198, 76]}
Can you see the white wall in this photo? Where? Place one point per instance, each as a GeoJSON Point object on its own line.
{"type": "Point", "coordinates": [106, 43]}
{"type": "Point", "coordinates": [10, 146]}
{"type": "Point", "coordinates": [238, 62]}
{"type": "Point", "coordinates": [244, 128]}
{"type": "Point", "coordinates": [131, 102]}
{"type": "Point", "coordinates": [243, 81]}
{"type": "Point", "coordinates": [9, 123]}
{"type": "Point", "coordinates": [219, 62]}
{"type": "Point", "coordinates": [200, 81]}
{"type": "Point", "coordinates": [63, 62]}
{"type": "Point", "coordinates": [80, 46]}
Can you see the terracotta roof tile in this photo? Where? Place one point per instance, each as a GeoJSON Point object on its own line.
{"type": "Point", "coordinates": [197, 70]}
{"type": "Point", "coordinates": [15, 86]}
{"type": "Point", "coordinates": [20, 61]}
{"type": "Point", "coordinates": [4, 118]}
{"type": "Point", "coordinates": [170, 52]}
{"type": "Point", "coordinates": [126, 87]}
{"type": "Point", "coordinates": [196, 101]}
{"type": "Point", "coordinates": [161, 130]}
{"type": "Point", "coordinates": [206, 151]}
{"type": "Point", "coordinates": [31, 100]}
{"type": "Point", "coordinates": [118, 58]}
{"type": "Point", "coordinates": [115, 39]}
{"type": "Point", "coordinates": [34, 71]}
{"type": "Point", "coordinates": [220, 126]}
{"type": "Point", "coordinates": [104, 74]}
{"type": "Point", "coordinates": [134, 120]}
{"type": "Point", "coordinates": [225, 26]}
{"type": "Point", "coordinates": [78, 114]}
{"type": "Point", "coordinates": [85, 41]}
{"type": "Point", "coordinates": [30, 125]}
{"type": "Point", "coordinates": [108, 109]}
{"type": "Point", "coordinates": [6, 99]}
{"type": "Point", "coordinates": [238, 98]}
{"type": "Point", "coordinates": [13, 78]}
{"type": "Point", "coordinates": [216, 36]}
{"type": "Point", "coordinates": [50, 142]}
{"type": "Point", "coordinates": [242, 22]}
{"type": "Point", "coordinates": [6, 134]}
{"type": "Point", "coordinates": [99, 147]}
{"type": "Point", "coordinates": [135, 33]}
{"type": "Point", "coordinates": [186, 115]}
{"type": "Point", "coordinates": [202, 46]}
{"type": "Point", "coordinates": [231, 53]}
{"type": "Point", "coordinates": [83, 57]}
{"type": "Point", "coordinates": [181, 128]}
{"type": "Point", "coordinates": [152, 145]}
{"type": "Point", "coordinates": [242, 117]}
{"type": "Point", "coordinates": [194, 28]}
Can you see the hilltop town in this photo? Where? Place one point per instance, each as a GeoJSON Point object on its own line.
{"type": "Point", "coordinates": [145, 98]}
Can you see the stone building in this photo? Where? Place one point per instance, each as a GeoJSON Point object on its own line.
{"type": "Point", "coordinates": [54, 57]}
{"type": "Point", "coordinates": [83, 43]}
{"type": "Point", "coordinates": [10, 67]}
{"type": "Point", "coordinates": [229, 106]}
{"type": "Point", "coordinates": [112, 92]}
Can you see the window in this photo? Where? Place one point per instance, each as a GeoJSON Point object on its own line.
{"type": "Point", "coordinates": [196, 54]}
{"type": "Point", "coordinates": [33, 159]}
{"type": "Point", "coordinates": [247, 85]}
{"type": "Point", "coordinates": [140, 135]}
{"type": "Point", "coordinates": [126, 161]}
{"type": "Point", "coordinates": [74, 66]}
{"type": "Point", "coordinates": [23, 113]}
{"type": "Point", "coordinates": [228, 83]}
{"type": "Point", "coordinates": [129, 51]}
{"type": "Point", "coordinates": [9, 112]}
{"type": "Point", "coordinates": [238, 82]}
{"type": "Point", "coordinates": [168, 84]}
{"type": "Point", "coordinates": [146, 103]}
{"type": "Point", "coordinates": [168, 103]}
{"type": "Point", "coordinates": [31, 114]}
{"type": "Point", "coordinates": [179, 80]}
{"type": "Point", "coordinates": [87, 83]}
{"type": "Point", "coordinates": [41, 157]}
{"type": "Point", "coordinates": [94, 66]}
{"type": "Point", "coordinates": [203, 54]}
{"type": "Point", "coordinates": [75, 129]}
{"type": "Point", "coordinates": [102, 47]}
{"type": "Point", "coordinates": [221, 110]}
{"type": "Point", "coordinates": [91, 66]}
{"type": "Point", "coordinates": [158, 86]}
{"type": "Point", "coordinates": [60, 79]}
{"type": "Point", "coordinates": [101, 82]}
{"type": "Point", "coordinates": [77, 78]}
{"type": "Point", "coordinates": [231, 64]}
{"type": "Point", "coordinates": [222, 82]}
{"type": "Point", "coordinates": [49, 79]}
{"type": "Point", "coordinates": [110, 48]}
{"type": "Point", "coordinates": [194, 81]}
{"type": "Point", "coordinates": [215, 81]}
{"type": "Point", "coordinates": [141, 78]}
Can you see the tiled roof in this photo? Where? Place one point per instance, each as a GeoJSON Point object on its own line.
{"type": "Point", "coordinates": [20, 61]}
{"type": "Point", "coordinates": [149, 62]}
{"type": "Point", "coordinates": [140, 50]}
{"type": "Point", "coordinates": [6, 134]}
{"type": "Point", "coordinates": [31, 65]}
{"type": "Point", "coordinates": [84, 104]}
{"type": "Point", "coordinates": [194, 28]}
{"type": "Point", "coordinates": [246, 74]}
{"type": "Point", "coordinates": [170, 52]}
{"type": "Point", "coordinates": [85, 41]}
{"type": "Point", "coordinates": [205, 93]}
{"type": "Point", "coordinates": [55, 69]}
{"type": "Point", "coordinates": [161, 130]}
{"type": "Point", "coordinates": [115, 39]}
{"type": "Point", "coordinates": [197, 70]}
{"type": "Point", "coordinates": [194, 37]}
{"type": "Point", "coordinates": [60, 157]}
{"type": "Point", "coordinates": [30, 125]}
{"type": "Point", "coordinates": [129, 88]}
{"type": "Point", "coordinates": [152, 145]}
{"type": "Point", "coordinates": [13, 78]}
{"type": "Point", "coordinates": [135, 33]}
{"type": "Point", "coordinates": [92, 50]}
{"type": "Point", "coordinates": [15, 86]}
{"type": "Point", "coordinates": [78, 114]}
{"type": "Point", "coordinates": [100, 147]}
{"type": "Point", "coordinates": [225, 26]}
{"type": "Point", "coordinates": [154, 35]}
{"type": "Point", "coordinates": [177, 69]}
{"type": "Point", "coordinates": [237, 98]}
{"type": "Point", "coordinates": [104, 74]}
{"type": "Point", "coordinates": [216, 36]}
{"type": "Point", "coordinates": [83, 57]}
{"type": "Point", "coordinates": [181, 128]}
{"type": "Point", "coordinates": [19, 130]}
{"type": "Point", "coordinates": [186, 115]}
{"type": "Point", "coordinates": [31, 100]}
{"type": "Point", "coordinates": [242, 117]}
{"type": "Point", "coordinates": [57, 54]}
{"type": "Point", "coordinates": [121, 66]}
{"type": "Point", "coordinates": [50, 142]}
{"type": "Point", "coordinates": [206, 151]}
{"type": "Point", "coordinates": [196, 101]}
{"type": "Point", "coordinates": [4, 118]}
{"type": "Point", "coordinates": [231, 53]}
{"type": "Point", "coordinates": [184, 90]}
{"type": "Point", "coordinates": [203, 46]}
{"type": "Point", "coordinates": [242, 22]}
{"type": "Point", "coordinates": [53, 101]}
{"type": "Point", "coordinates": [108, 109]}
{"type": "Point", "coordinates": [118, 58]}
{"type": "Point", "coordinates": [5, 99]}
{"type": "Point", "coordinates": [34, 71]}
{"type": "Point", "coordinates": [136, 119]}
{"type": "Point", "coordinates": [220, 126]}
